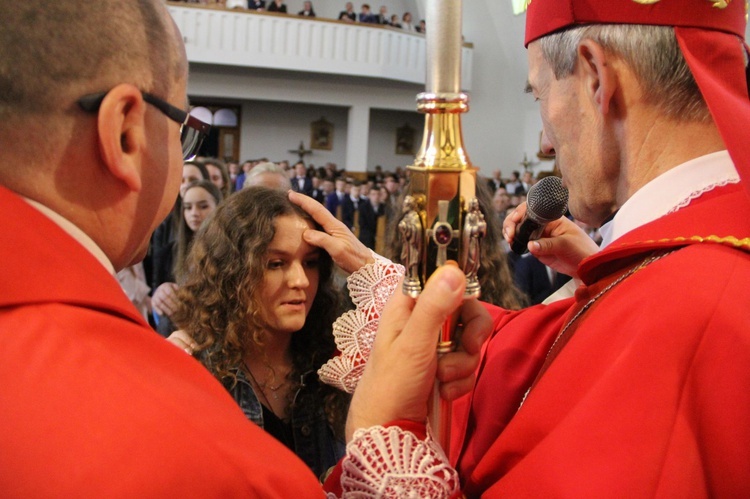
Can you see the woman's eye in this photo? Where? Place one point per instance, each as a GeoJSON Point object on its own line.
{"type": "Point", "coordinates": [312, 263]}
{"type": "Point", "coordinates": [275, 264]}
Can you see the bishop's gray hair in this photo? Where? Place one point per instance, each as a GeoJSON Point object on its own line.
{"type": "Point", "coordinates": [652, 52]}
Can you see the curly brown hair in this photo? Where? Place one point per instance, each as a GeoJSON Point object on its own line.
{"type": "Point", "coordinates": [219, 302]}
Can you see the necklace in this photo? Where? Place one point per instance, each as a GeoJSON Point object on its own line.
{"type": "Point", "coordinates": [583, 309]}
{"type": "Point", "coordinates": [264, 386]}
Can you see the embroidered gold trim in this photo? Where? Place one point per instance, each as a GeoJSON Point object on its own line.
{"type": "Point", "coordinates": [718, 4]}
{"type": "Point", "coordinates": [727, 241]}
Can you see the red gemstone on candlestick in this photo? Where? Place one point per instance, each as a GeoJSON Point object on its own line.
{"type": "Point", "coordinates": [443, 234]}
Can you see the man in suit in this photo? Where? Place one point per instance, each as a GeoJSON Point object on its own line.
{"type": "Point", "coordinates": [348, 14]}
{"type": "Point", "coordinates": [256, 4]}
{"type": "Point", "coordinates": [382, 16]}
{"type": "Point", "coordinates": [370, 212]}
{"type": "Point", "coordinates": [301, 182]}
{"type": "Point", "coordinates": [535, 279]}
{"type": "Point", "coordinates": [336, 198]}
{"type": "Point", "coordinates": [350, 208]}
{"type": "Point", "coordinates": [317, 190]}
{"type": "Point", "coordinates": [366, 15]}
{"type": "Point", "coordinates": [496, 181]}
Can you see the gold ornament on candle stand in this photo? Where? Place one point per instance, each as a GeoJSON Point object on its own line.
{"type": "Point", "coordinates": [442, 190]}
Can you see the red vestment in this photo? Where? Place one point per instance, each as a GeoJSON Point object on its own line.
{"type": "Point", "coordinates": [95, 404]}
{"type": "Point", "coordinates": [650, 396]}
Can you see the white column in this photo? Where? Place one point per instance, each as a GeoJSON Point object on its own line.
{"type": "Point", "coordinates": [357, 136]}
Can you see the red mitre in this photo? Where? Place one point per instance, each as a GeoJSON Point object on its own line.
{"type": "Point", "coordinates": [709, 33]}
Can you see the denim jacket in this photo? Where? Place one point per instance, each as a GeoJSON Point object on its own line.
{"type": "Point", "coordinates": [314, 441]}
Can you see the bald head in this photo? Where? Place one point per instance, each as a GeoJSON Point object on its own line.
{"type": "Point", "coordinates": [51, 53]}
{"type": "Point", "coordinates": [115, 167]}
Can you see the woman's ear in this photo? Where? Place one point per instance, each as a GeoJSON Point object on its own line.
{"type": "Point", "coordinates": [598, 75]}
{"type": "Point", "coordinates": [121, 128]}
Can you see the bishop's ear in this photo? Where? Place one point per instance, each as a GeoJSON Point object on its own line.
{"type": "Point", "coordinates": [121, 128]}
{"type": "Point", "coordinates": [599, 77]}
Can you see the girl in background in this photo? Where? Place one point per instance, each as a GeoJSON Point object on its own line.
{"type": "Point", "coordinates": [199, 199]}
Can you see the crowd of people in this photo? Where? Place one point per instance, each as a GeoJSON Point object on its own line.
{"type": "Point", "coordinates": [371, 208]}
{"type": "Point", "coordinates": [365, 15]}
{"type": "Point", "coordinates": [633, 386]}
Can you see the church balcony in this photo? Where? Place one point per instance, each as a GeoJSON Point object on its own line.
{"type": "Point", "coordinates": [240, 38]}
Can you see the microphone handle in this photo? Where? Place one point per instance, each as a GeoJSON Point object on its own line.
{"type": "Point", "coordinates": [527, 231]}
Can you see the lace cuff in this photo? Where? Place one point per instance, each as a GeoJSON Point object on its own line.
{"type": "Point", "coordinates": [354, 332]}
{"type": "Point", "coordinates": [391, 462]}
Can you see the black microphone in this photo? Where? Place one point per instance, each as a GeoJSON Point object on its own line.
{"type": "Point", "coordinates": [547, 201]}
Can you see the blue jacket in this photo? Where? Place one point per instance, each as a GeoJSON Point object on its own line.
{"type": "Point", "coordinates": [314, 441]}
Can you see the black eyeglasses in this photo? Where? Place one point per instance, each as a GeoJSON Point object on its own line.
{"type": "Point", "coordinates": [192, 130]}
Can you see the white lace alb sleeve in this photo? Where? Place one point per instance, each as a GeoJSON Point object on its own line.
{"type": "Point", "coordinates": [354, 332]}
{"type": "Point", "coordinates": [393, 463]}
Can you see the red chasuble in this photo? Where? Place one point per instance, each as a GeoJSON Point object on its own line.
{"type": "Point", "coordinates": [649, 394]}
{"type": "Point", "coordinates": [93, 403]}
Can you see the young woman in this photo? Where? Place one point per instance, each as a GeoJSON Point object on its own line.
{"type": "Point", "coordinates": [163, 251]}
{"type": "Point", "coordinates": [199, 199]}
{"type": "Point", "coordinates": [219, 175]}
{"type": "Point", "coordinates": [258, 303]}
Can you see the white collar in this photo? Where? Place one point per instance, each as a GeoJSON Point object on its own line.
{"type": "Point", "coordinates": [73, 231]}
{"type": "Point", "coordinates": [671, 191]}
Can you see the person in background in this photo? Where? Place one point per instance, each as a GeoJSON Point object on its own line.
{"type": "Point", "coordinates": [514, 185]}
{"type": "Point", "coordinates": [366, 15]}
{"type": "Point", "coordinates": [133, 282]}
{"type": "Point", "coordinates": [199, 199]}
{"type": "Point", "coordinates": [307, 10]}
{"type": "Point", "coordinates": [371, 212]}
{"type": "Point", "coordinates": [300, 181]}
{"type": "Point", "coordinates": [233, 168]}
{"type": "Point", "coordinates": [395, 21]}
{"type": "Point", "coordinates": [501, 202]}
{"type": "Point", "coordinates": [348, 14]}
{"type": "Point", "coordinates": [163, 246]}
{"type": "Point", "coordinates": [219, 175]}
{"type": "Point", "coordinates": [406, 23]}
{"type": "Point", "coordinates": [350, 207]}
{"type": "Point", "coordinates": [235, 4]}
{"type": "Point", "coordinates": [318, 192]}
{"type": "Point", "coordinates": [269, 175]}
{"type": "Point", "coordinates": [527, 180]}
{"type": "Point", "coordinates": [382, 15]}
{"type": "Point", "coordinates": [496, 181]}
{"type": "Point", "coordinates": [535, 279]}
{"type": "Point", "coordinates": [335, 199]}
{"type": "Point", "coordinates": [259, 5]}
{"type": "Point", "coordinates": [276, 6]}
{"type": "Point", "coordinates": [247, 165]}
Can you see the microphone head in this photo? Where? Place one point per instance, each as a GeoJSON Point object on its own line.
{"type": "Point", "coordinates": [547, 200]}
